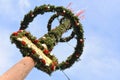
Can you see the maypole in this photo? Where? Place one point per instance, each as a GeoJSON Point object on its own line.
{"type": "Point", "coordinates": [37, 52]}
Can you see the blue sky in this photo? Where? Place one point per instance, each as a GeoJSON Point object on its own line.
{"type": "Point", "coordinates": [101, 57]}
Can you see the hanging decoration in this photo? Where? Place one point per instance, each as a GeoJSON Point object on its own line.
{"type": "Point", "coordinates": [40, 49]}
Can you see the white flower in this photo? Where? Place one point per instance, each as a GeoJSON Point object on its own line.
{"type": "Point", "coordinates": [19, 39]}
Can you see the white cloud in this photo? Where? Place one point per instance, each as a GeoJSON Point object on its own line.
{"type": "Point", "coordinates": [24, 4]}
{"type": "Point", "coordinates": [102, 67]}
{"type": "Point", "coordinates": [9, 10]}
{"type": "Point", "coordinates": [5, 6]}
{"type": "Point", "coordinates": [99, 59]}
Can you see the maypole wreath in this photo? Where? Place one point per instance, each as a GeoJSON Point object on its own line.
{"type": "Point", "coordinates": [29, 45]}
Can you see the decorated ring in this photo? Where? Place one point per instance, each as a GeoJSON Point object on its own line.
{"type": "Point", "coordinates": [30, 46]}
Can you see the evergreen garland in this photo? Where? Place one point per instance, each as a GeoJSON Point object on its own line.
{"type": "Point", "coordinates": [68, 21]}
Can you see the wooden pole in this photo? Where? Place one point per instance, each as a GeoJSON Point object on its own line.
{"type": "Point", "coordinates": [20, 70]}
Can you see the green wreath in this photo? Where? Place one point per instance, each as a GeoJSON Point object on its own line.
{"type": "Point", "coordinates": [49, 40]}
